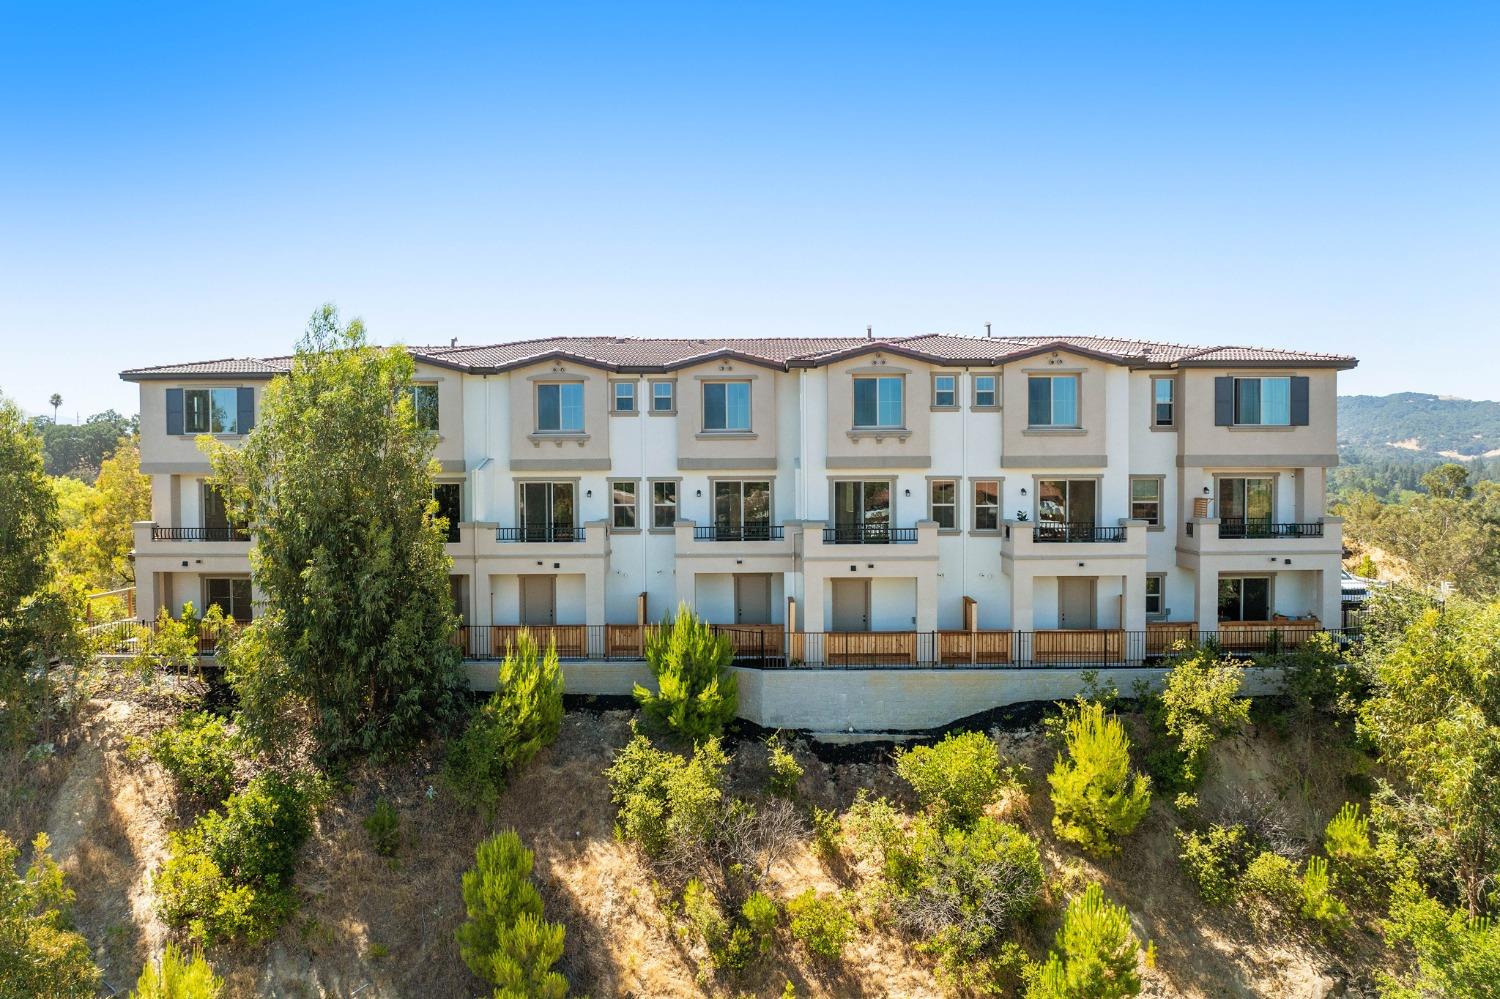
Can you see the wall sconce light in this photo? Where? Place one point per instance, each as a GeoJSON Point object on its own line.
{"type": "Point", "coordinates": [1080, 565]}
{"type": "Point", "coordinates": [1207, 491]}
{"type": "Point", "coordinates": [589, 493]}
{"type": "Point", "coordinates": [1023, 490]}
{"type": "Point", "coordinates": [870, 565]}
{"type": "Point", "coordinates": [698, 493]}
{"type": "Point", "coordinates": [854, 568]}
{"type": "Point", "coordinates": [908, 492]}
{"type": "Point", "coordinates": [184, 563]}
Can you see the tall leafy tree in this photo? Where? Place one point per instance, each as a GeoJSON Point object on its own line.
{"type": "Point", "coordinates": [96, 545]}
{"type": "Point", "coordinates": [336, 479]}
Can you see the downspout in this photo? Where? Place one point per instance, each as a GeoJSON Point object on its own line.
{"type": "Point", "coordinates": [963, 484]}
{"type": "Point", "coordinates": [641, 501]}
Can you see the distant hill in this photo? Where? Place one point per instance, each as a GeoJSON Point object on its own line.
{"type": "Point", "coordinates": [1419, 426]}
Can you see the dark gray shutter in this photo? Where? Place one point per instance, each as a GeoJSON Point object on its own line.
{"type": "Point", "coordinates": [174, 411]}
{"type": "Point", "coordinates": [1223, 402]}
{"type": "Point", "coordinates": [246, 407]}
{"type": "Point", "coordinates": [1299, 400]}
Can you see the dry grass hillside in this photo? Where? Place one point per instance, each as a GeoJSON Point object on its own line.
{"type": "Point", "coordinates": [374, 928]}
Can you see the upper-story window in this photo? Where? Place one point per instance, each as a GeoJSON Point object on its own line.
{"type": "Point", "coordinates": [622, 395]}
{"type": "Point", "coordinates": [1263, 402]}
{"type": "Point", "coordinates": [424, 403]}
{"type": "Point", "coordinates": [986, 395]}
{"type": "Point", "coordinates": [878, 401]}
{"type": "Point", "coordinates": [726, 406]}
{"type": "Point", "coordinates": [663, 397]}
{"type": "Point", "coordinates": [1052, 400]}
{"type": "Point", "coordinates": [210, 411]}
{"type": "Point", "coordinates": [1163, 402]}
{"type": "Point", "coordinates": [559, 407]}
{"type": "Point", "coordinates": [943, 503]}
{"type": "Point", "coordinates": [945, 391]}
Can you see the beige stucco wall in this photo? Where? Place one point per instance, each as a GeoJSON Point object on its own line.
{"type": "Point", "coordinates": [1200, 443]}
{"type": "Point", "coordinates": [450, 447]}
{"type": "Point", "coordinates": [697, 450]}
{"type": "Point", "coordinates": [1087, 446]}
{"type": "Point", "coordinates": [533, 452]}
{"type": "Point", "coordinates": [908, 447]}
{"type": "Point", "coordinates": [178, 453]}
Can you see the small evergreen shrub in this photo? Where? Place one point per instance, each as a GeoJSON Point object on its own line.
{"type": "Point", "coordinates": [178, 976]}
{"type": "Point", "coordinates": [956, 778]}
{"type": "Point", "coordinates": [1272, 878]}
{"type": "Point", "coordinates": [785, 770]}
{"type": "Point", "coordinates": [197, 751]}
{"type": "Point", "coordinates": [1096, 797]}
{"type": "Point", "coordinates": [827, 831]}
{"type": "Point", "coordinates": [505, 940]}
{"type": "Point", "coordinates": [661, 797]}
{"type": "Point", "coordinates": [1199, 705]}
{"type": "Point", "coordinates": [1096, 956]}
{"type": "Point", "coordinates": [1347, 838]}
{"type": "Point", "coordinates": [696, 693]}
{"type": "Point", "coordinates": [732, 946]}
{"type": "Point", "coordinates": [1317, 678]}
{"type": "Point", "coordinates": [872, 828]}
{"type": "Point", "coordinates": [1455, 954]}
{"type": "Point", "coordinates": [383, 825]}
{"type": "Point", "coordinates": [518, 720]}
{"type": "Point", "coordinates": [40, 953]}
{"type": "Point", "coordinates": [1216, 859]}
{"type": "Point", "coordinates": [1318, 901]}
{"type": "Point", "coordinates": [761, 914]}
{"type": "Point", "coordinates": [229, 875]}
{"type": "Point", "coordinates": [822, 925]}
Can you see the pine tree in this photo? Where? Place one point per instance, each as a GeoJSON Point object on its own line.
{"type": "Point", "coordinates": [1096, 955]}
{"type": "Point", "coordinates": [1094, 794]}
{"type": "Point", "coordinates": [178, 976]}
{"type": "Point", "coordinates": [505, 940]}
{"type": "Point", "coordinates": [697, 694]}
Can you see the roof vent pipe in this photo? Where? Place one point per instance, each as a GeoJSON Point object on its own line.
{"type": "Point", "coordinates": [869, 332]}
{"type": "Point", "coordinates": [987, 332]}
{"type": "Point", "coordinates": [453, 342]}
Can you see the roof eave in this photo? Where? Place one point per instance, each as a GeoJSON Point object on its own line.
{"type": "Point", "coordinates": [1339, 364]}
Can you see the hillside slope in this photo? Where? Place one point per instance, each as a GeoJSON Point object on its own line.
{"type": "Point", "coordinates": [1420, 426]}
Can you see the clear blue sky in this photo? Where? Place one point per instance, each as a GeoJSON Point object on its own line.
{"type": "Point", "coordinates": [191, 182]}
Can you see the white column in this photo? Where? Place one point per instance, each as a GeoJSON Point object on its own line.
{"type": "Point", "coordinates": [1206, 586]}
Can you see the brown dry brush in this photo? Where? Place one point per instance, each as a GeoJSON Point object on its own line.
{"type": "Point", "coordinates": [737, 851]}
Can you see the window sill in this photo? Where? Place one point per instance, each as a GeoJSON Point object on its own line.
{"type": "Point", "coordinates": [661, 530]}
{"type": "Point", "coordinates": [985, 533]}
{"type": "Point", "coordinates": [727, 435]}
{"type": "Point", "coordinates": [624, 530]}
{"type": "Point", "coordinates": [557, 437]}
{"type": "Point", "coordinates": [947, 531]}
{"type": "Point", "coordinates": [663, 412]}
{"type": "Point", "coordinates": [1164, 428]}
{"type": "Point", "coordinates": [1053, 432]}
{"type": "Point", "coordinates": [984, 409]}
{"type": "Point", "coordinates": [879, 433]}
{"type": "Point", "coordinates": [943, 409]}
{"type": "Point", "coordinates": [623, 412]}
{"type": "Point", "coordinates": [1258, 428]}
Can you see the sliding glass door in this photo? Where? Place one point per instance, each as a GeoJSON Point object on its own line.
{"type": "Point", "coordinates": [861, 511]}
{"type": "Point", "coordinates": [1066, 509]}
{"type": "Point", "coordinates": [547, 511]}
{"type": "Point", "coordinates": [1246, 506]}
{"type": "Point", "coordinates": [742, 510]}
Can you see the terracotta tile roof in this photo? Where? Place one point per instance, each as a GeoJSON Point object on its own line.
{"type": "Point", "coordinates": [648, 353]}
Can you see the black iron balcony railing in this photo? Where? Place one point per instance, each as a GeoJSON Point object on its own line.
{"type": "Point", "coordinates": [1255, 530]}
{"type": "Point", "coordinates": [868, 534]}
{"type": "Point", "coordinates": [540, 532]}
{"type": "Point", "coordinates": [159, 533]}
{"type": "Point", "coordinates": [1080, 532]}
{"type": "Point", "coordinates": [739, 532]}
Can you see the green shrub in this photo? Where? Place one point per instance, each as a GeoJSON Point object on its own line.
{"type": "Point", "coordinates": [696, 692]}
{"type": "Point", "coordinates": [956, 778]}
{"type": "Point", "coordinates": [1096, 955]}
{"type": "Point", "coordinates": [518, 720]}
{"type": "Point", "coordinates": [761, 914]}
{"type": "Point", "coordinates": [661, 797]}
{"type": "Point", "coordinates": [197, 751]}
{"type": "Point", "coordinates": [1197, 706]}
{"type": "Point", "coordinates": [962, 888]}
{"type": "Point", "coordinates": [229, 875]}
{"type": "Point", "coordinates": [1215, 860]}
{"type": "Point", "coordinates": [732, 946]}
{"type": "Point", "coordinates": [505, 940]}
{"type": "Point", "coordinates": [1317, 678]}
{"type": "Point", "coordinates": [171, 646]}
{"type": "Point", "coordinates": [785, 770]}
{"type": "Point", "coordinates": [40, 955]}
{"type": "Point", "coordinates": [383, 825]}
{"type": "Point", "coordinates": [178, 976]}
{"type": "Point", "coordinates": [826, 832]}
{"type": "Point", "coordinates": [1347, 838]}
{"type": "Point", "coordinates": [1273, 878]}
{"type": "Point", "coordinates": [872, 828]}
{"type": "Point", "coordinates": [822, 925]}
{"type": "Point", "coordinates": [1318, 901]}
{"type": "Point", "coordinates": [1095, 796]}
{"type": "Point", "coordinates": [1455, 954]}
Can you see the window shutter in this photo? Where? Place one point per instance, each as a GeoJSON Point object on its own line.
{"type": "Point", "coordinates": [246, 412]}
{"type": "Point", "coordinates": [174, 411]}
{"type": "Point", "coordinates": [1299, 400]}
{"type": "Point", "coordinates": [1223, 402]}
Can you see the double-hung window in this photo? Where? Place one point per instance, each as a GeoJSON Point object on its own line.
{"type": "Point", "coordinates": [1154, 595]}
{"type": "Point", "coordinates": [559, 408]}
{"type": "Point", "coordinates": [210, 411]}
{"type": "Point", "coordinates": [987, 505]}
{"type": "Point", "coordinates": [663, 505]}
{"type": "Point", "coordinates": [1052, 401]}
{"type": "Point", "coordinates": [663, 397]}
{"type": "Point", "coordinates": [726, 406]}
{"type": "Point", "coordinates": [232, 594]}
{"type": "Point", "coordinates": [1145, 499]}
{"type": "Point", "coordinates": [622, 503]}
{"type": "Point", "coordinates": [945, 391]}
{"type": "Point", "coordinates": [1263, 402]}
{"type": "Point", "coordinates": [424, 405]}
{"type": "Point", "coordinates": [878, 402]}
{"type": "Point", "coordinates": [1163, 402]}
{"type": "Point", "coordinates": [943, 503]}
{"type": "Point", "coordinates": [986, 395]}
{"type": "Point", "coordinates": [623, 396]}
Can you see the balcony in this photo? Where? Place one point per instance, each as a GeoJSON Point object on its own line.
{"type": "Point", "coordinates": [1082, 533]}
{"type": "Point", "coordinates": [165, 548]}
{"type": "Point", "coordinates": [735, 548]}
{"type": "Point", "coordinates": [869, 534]}
{"type": "Point", "coordinates": [739, 532]}
{"type": "Point", "coordinates": [1258, 542]}
{"type": "Point", "coordinates": [1261, 530]}
{"type": "Point", "coordinates": [1102, 547]}
{"type": "Point", "coordinates": [541, 534]}
{"type": "Point", "coordinates": [159, 533]}
{"type": "Point", "coordinates": [538, 544]}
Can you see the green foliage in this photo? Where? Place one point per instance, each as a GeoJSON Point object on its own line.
{"type": "Point", "coordinates": [733, 945]}
{"type": "Point", "coordinates": [872, 827]}
{"type": "Point", "coordinates": [1273, 878]}
{"type": "Point", "coordinates": [1096, 954]}
{"type": "Point", "coordinates": [170, 647]}
{"type": "Point", "coordinates": [1434, 716]}
{"type": "Point", "coordinates": [505, 940]}
{"type": "Point", "coordinates": [336, 478]}
{"type": "Point", "coordinates": [383, 825]}
{"type": "Point", "coordinates": [821, 924]}
{"type": "Point", "coordinates": [178, 976]}
{"type": "Point", "coordinates": [81, 449]}
{"type": "Point", "coordinates": [785, 770]}
{"type": "Point", "coordinates": [696, 693]}
{"type": "Point", "coordinates": [826, 832]}
{"type": "Point", "coordinates": [1199, 705]}
{"type": "Point", "coordinates": [1215, 860]}
{"type": "Point", "coordinates": [1318, 901]}
{"type": "Point", "coordinates": [39, 954]}
{"type": "Point", "coordinates": [229, 875]}
{"type": "Point", "coordinates": [662, 797]}
{"type": "Point", "coordinates": [956, 778]}
{"type": "Point", "coordinates": [521, 717]}
{"type": "Point", "coordinates": [1318, 678]}
{"type": "Point", "coordinates": [1095, 796]}
{"type": "Point", "coordinates": [1456, 956]}
{"type": "Point", "coordinates": [761, 914]}
{"type": "Point", "coordinates": [197, 750]}
{"type": "Point", "coordinates": [99, 533]}
{"type": "Point", "coordinates": [1347, 838]}
{"type": "Point", "coordinates": [962, 888]}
